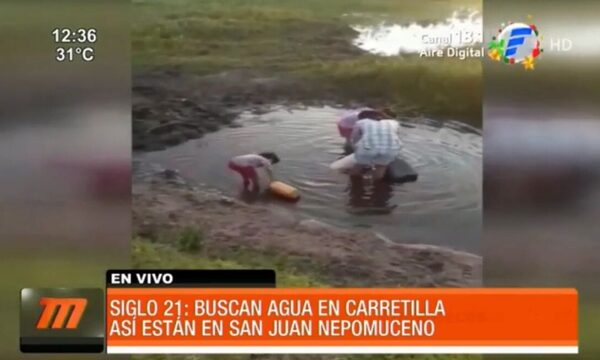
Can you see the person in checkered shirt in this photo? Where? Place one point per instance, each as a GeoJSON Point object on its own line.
{"type": "Point", "coordinates": [376, 143]}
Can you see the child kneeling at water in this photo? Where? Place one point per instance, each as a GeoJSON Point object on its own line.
{"type": "Point", "coordinates": [246, 166]}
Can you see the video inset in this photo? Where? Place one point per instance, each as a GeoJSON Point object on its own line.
{"type": "Point", "coordinates": [338, 143]}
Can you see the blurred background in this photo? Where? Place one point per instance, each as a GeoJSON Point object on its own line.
{"type": "Point", "coordinates": [65, 149]}
{"type": "Point", "coordinates": [541, 156]}
{"type": "Point", "coordinates": [65, 143]}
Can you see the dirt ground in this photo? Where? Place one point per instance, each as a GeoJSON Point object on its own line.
{"type": "Point", "coordinates": [170, 106]}
{"type": "Point", "coordinates": [340, 257]}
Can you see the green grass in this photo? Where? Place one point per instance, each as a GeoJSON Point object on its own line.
{"type": "Point", "coordinates": [147, 254]}
{"type": "Point", "coordinates": [442, 87]}
{"type": "Point", "coordinates": [308, 39]}
{"type": "Point", "coordinates": [154, 255]}
{"type": "Point", "coordinates": [589, 318]}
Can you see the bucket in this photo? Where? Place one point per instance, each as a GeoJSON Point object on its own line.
{"type": "Point", "coordinates": [284, 191]}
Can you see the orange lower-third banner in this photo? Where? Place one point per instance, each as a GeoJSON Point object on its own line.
{"type": "Point", "coordinates": [201, 320]}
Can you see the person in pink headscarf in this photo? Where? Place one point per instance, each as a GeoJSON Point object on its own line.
{"type": "Point", "coordinates": [349, 119]}
{"type": "Point", "coordinates": [346, 122]}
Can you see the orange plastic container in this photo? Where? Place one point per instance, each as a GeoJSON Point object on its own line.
{"type": "Point", "coordinates": [284, 191]}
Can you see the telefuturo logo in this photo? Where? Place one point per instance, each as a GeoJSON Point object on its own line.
{"type": "Point", "coordinates": [516, 40]}
{"type": "Point", "coordinates": [516, 43]}
{"type": "Point", "coordinates": [61, 313]}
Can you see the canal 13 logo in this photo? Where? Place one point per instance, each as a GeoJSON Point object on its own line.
{"type": "Point", "coordinates": [516, 43]}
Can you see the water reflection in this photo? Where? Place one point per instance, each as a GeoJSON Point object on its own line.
{"type": "Point", "coordinates": [368, 196]}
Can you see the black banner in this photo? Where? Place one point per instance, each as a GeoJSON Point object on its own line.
{"type": "Point", "coordinates": [177, 278]}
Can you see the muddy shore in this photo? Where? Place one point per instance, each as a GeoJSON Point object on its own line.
{"type": "Point", "coordinates": [170, 106]}
{"type": "Point", "coordinates": [164, 205]}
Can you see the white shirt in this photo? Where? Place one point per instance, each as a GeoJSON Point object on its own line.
{"type": "Point", "coordinates": [382, 135]}
{"type": "Point", "coordinates": [252, 160]}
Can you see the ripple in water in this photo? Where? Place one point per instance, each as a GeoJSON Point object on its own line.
{"type": "Point", "coordinates": [443, 207]}
{"type": "Point", "coordinates": [395, 39]}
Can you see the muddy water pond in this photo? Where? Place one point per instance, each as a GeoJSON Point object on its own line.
{"type": "Point", "coordinates": [442, 208]}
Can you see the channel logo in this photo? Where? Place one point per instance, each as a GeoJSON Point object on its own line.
{"type": "Point", "coordinates": [62, 320]}
{"type": "Point", "coordinates": [61, 313]}
{"type": "Point", "coordinates": [516, 43]}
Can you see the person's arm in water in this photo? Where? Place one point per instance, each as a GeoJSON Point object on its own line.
{"type": "Point", "coordinates": [269, 170]}
{"type": "Point", "coordinates": [267, 159]}
{"type": "Point", "coordinates": [266, 164]}
{"type": "Point", "coordinates": [356, 134]}
{"type": "Point", "coordinates": [400, 134]}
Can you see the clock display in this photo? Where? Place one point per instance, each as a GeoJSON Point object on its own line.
{"type": "Point", "coordinates": [80, 36]}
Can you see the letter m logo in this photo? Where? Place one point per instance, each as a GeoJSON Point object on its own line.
{"type": "Point", "coordinates": [61, 313]}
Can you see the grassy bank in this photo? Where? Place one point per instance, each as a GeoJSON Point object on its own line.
{"type": "Point", "coordinates": [154, 255]}
{"type": "Point", "coordinates": [185, 251]}
{"type": "Point", "coordinates": [435, 87]}
{"type": "Point", "coordinates": [310, 40]}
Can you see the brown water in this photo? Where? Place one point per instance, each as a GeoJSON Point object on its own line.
{"type": "Point", "coordinates": [443, 207]}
